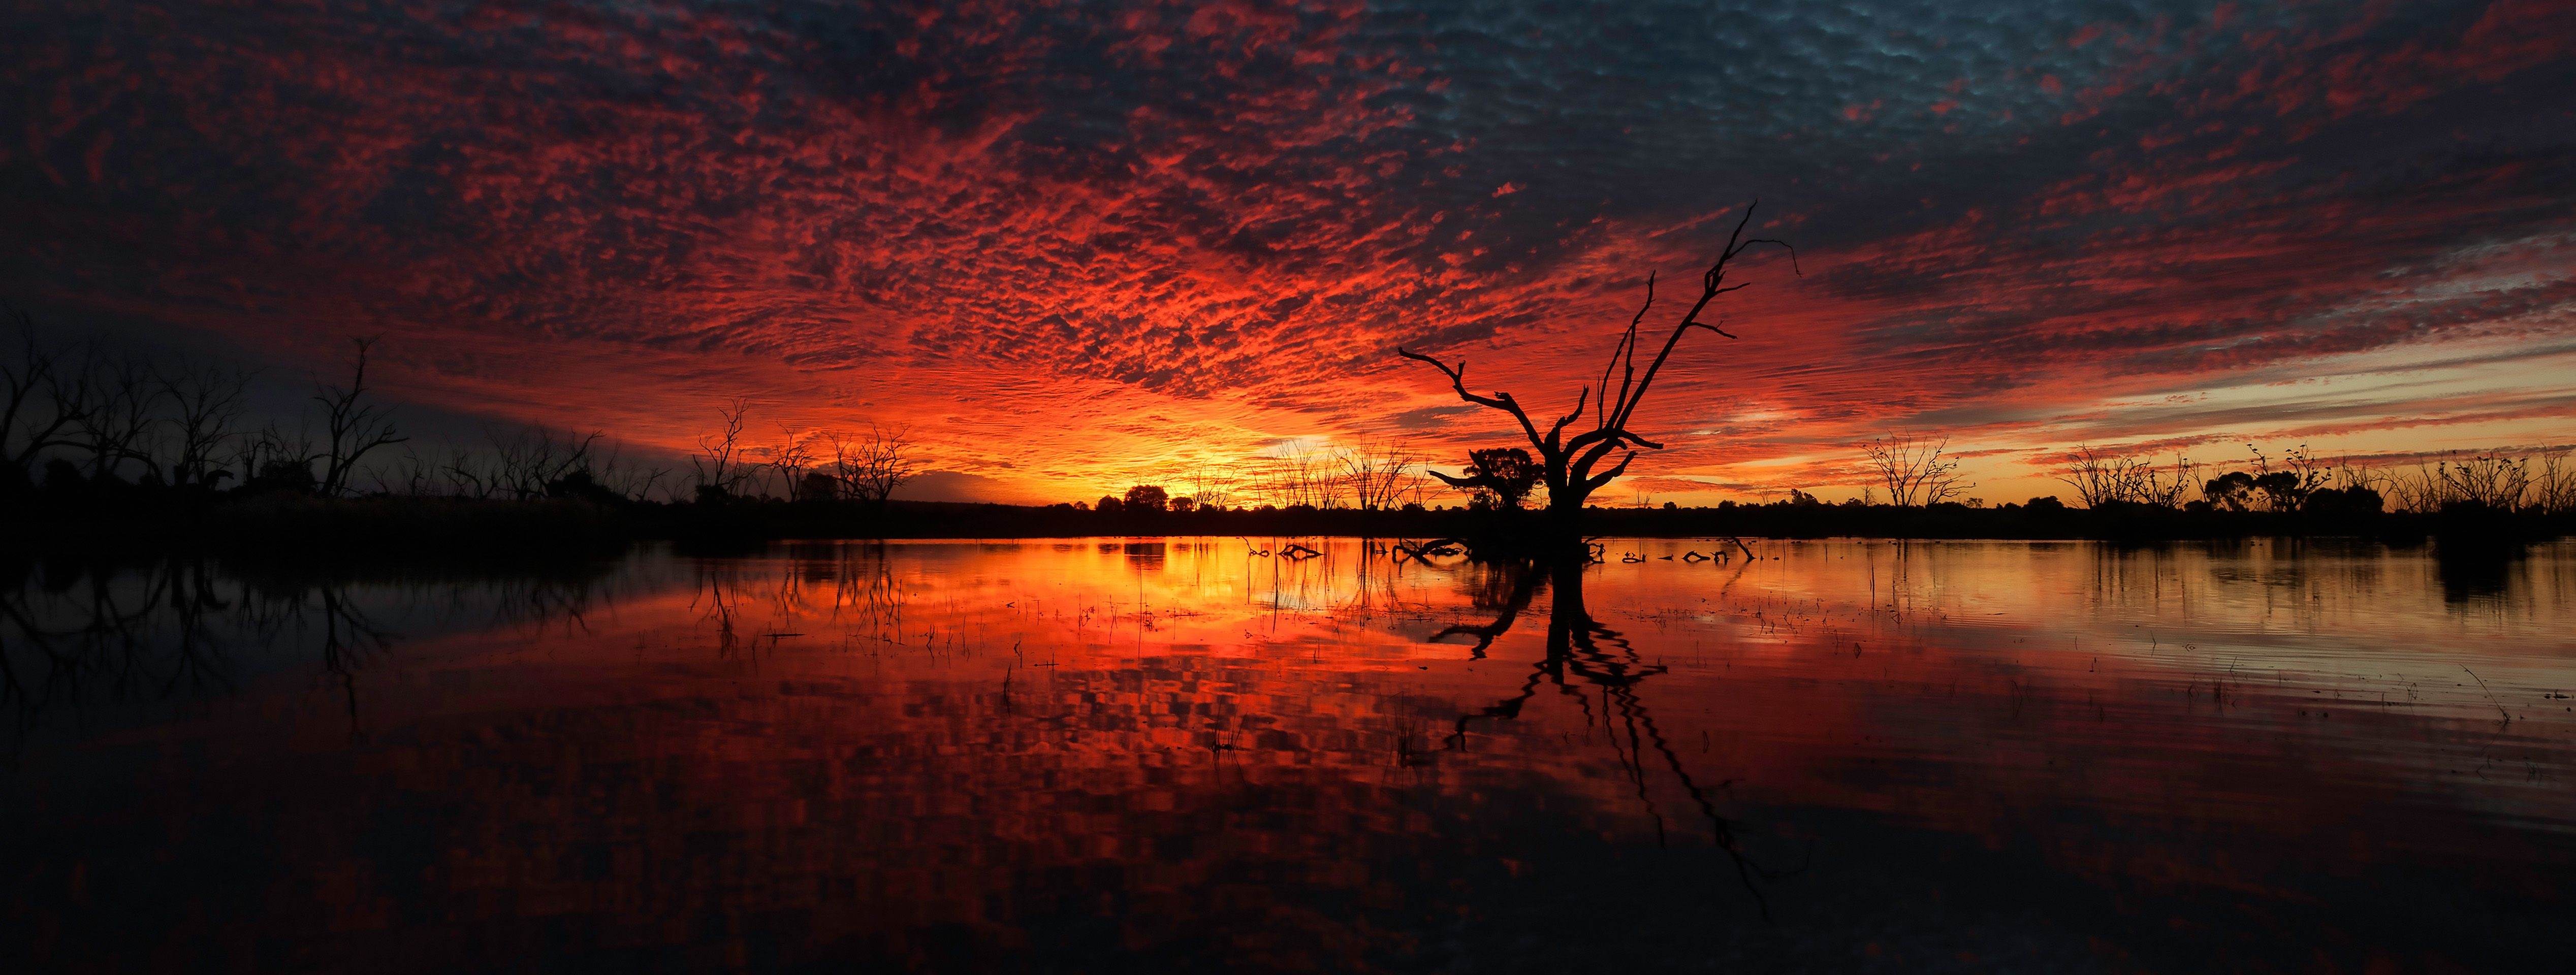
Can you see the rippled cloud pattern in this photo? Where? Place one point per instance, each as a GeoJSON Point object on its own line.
{"type": "Point", "coordinates": [1081, 244]}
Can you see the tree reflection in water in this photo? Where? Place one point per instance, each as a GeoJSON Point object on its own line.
{"type": "Point", "coordinates": [1597, 656]}
{"type": "Point", "coordinates": [76, 635]}
{"type": "Point", "coordinates": [1119, 754]}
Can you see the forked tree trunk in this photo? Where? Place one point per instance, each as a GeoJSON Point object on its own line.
{"type": "Point", "coordinates": [1570, 462]}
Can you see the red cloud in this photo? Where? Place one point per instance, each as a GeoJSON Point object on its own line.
{"type": "Point", "coordinates": [1073, 254]}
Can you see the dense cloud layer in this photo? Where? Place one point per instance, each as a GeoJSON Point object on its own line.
{"type": "Point", "coordinates": [1089, 242]}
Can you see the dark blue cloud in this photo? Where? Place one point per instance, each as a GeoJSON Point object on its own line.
{"type": "Point", "coordinates": [1228, 201]}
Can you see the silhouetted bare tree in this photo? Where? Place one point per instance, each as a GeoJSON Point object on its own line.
{"type": "Point", "coordinates": [2554, 486]}
{"type": "Point", "coordinates": [123, 408]}
{"type": "Point", "coordinates": [275, 459]}
{"type": "Point", "coordinates": [1378, 474]}
{"type": "Point", "coordinates": [2101, 477]}
{"type": "Point", "coordinates": [414, 475]}
{"type": "Point", "coordinates": [1915, 469]}
{"type": "Point", "coordinates": [718, 463]}
{"type": "Point", "coordinates": [793, 457]}
{"type": "Point", "coordinates": [205, 406]}
{"type": "Point", "coordinates": [45, 401]}
{"type": "Point", "coordinates": [1569, 462]}
{"type": "Point", "coordinates": [1211, 487]}
{"type": "Point", "coordinates": [2490, 481]}
{"type": "Point", "coordinates": [534, 463]}
{"type": "Point", "coordinates": [874, 466]}
{"type": "Point", "coordinates": [353, 426]}
{"type": "Point", "coordinates": [1298, 474]}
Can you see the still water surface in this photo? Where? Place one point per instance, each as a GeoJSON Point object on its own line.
{"type": "Point", "coordinates": [1139, 754]}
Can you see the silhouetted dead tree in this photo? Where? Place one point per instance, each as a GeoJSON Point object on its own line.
{"type": "Point", "coordinates": [532, 463]}
{"type": "Point", "coordinates": [2554, 485]}
{"type": "Point", "coordinates": [352, 426]}
{"type": "Point", "coordinates": [1570, 462]}
{"type": "Point", "coordinates": [793, 458]}
{"type": "Point", "coordinates": [414, 475]}
{"type": "Point", "coordinates": [874, 466]}
{"type": "Point", "coordinates": [2490, 481]}
{"type": "Point", "coordinates": [1915, 470]}
{"type": "Point", "coordinates": [1379, 475]}
{"type": "Point", "coordinates": [630, 481]}
{"type": "Point", "coordinates": [276, 459]}
{"type": "Point", "coordinates": [1297, 474]}
{"type": "Point", "coordinates": [45, 400]}
{"type": "Point", "coordinates": [1211, 487]}
{"type": "Point", "coordinates": [123, 408]}
{"type": "Point", "coordinates": [718, 463]}
{"type": "Point", "coordinates": [2101, 477]}
{"type": "Point", "coordinates": [206, 405]}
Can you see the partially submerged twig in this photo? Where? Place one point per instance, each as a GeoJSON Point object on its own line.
{"type": "Point", "coordinates": [2491, 698]}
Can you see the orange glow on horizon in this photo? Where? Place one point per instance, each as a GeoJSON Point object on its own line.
{"type": "Point", "coordinates": [1077, 261]}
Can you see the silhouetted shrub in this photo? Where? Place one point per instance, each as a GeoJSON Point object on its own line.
{"type": "Point", "coordinates": [2344, 503]}
{"type": "Point", "coordinates": [1147, 497]}
{"type": "Point", "coordinates": [579, 485]}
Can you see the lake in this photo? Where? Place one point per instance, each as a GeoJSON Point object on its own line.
{"type": "Point", "coordinates": [1183, 754]}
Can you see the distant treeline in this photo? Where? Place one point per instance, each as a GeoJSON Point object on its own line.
{"type": "Point", "coordinates": [98, 447]}
{"type": "Point", "coordinates": [442, 527]}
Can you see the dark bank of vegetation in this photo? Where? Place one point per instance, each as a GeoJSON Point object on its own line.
{"type": "Point", "coordinates": [571, 524]}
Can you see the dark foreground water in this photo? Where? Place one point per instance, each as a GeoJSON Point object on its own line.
{"type": "Point", "coordinates": [1124, 755]}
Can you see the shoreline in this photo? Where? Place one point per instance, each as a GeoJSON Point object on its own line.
{"type": "Point", "coordinates": [460, 528]}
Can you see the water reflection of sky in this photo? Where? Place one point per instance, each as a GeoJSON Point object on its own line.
{"type": "Point", "coordinates": [1111, 754]}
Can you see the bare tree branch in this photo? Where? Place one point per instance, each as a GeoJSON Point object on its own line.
{"type": "Point", "coordinates": [43, 400]}
{"type": "Point", "coordinates": [1917, 471]}
{"type": "Point", "coordinates": [352, 426]}
{"type": "Point", "coordinates": [718, 462]}
{"type": "Point", "coordinates": [871, 468]}
{"type": "Point", "coordinates": [1569, 464]}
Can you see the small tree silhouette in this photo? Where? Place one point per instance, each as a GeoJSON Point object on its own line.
{"type": "Point", "coordinates": [1499, 477]}
{"type": "Point", "coordinates": [1147, 497]}
{"type": "Point", "coordinates": [2104, 478]}
{"type": "Point", "coordinates": [818, 486]}
{"type": "Point", "coordinates": [206, 406]}
{"type": "Point", "coordinates": [873, 466]}
{"type": "Point", "coordinates": [718, 462]}
{"type": "Point", "coordinates": [793, 458]}
{"type": "Point", "coordinates": [352, 426]}
{"type": "Point", "coordinates": [1568, 463]}
{"type": "Point", "coordinates": [1916, 470]}
{"type": "Point", "coordinates": [124, 407]}
{"type": "Point", "coordinates": [41, 400]}
{"type": "Point", "coordinates": [1378, 474]}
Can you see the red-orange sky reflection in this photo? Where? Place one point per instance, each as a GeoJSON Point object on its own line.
{"type": "Point", "coordinates": [1107, 753]}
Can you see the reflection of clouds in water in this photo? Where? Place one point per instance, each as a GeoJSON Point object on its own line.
{"type": "Point", "coordinates": [901, 739]}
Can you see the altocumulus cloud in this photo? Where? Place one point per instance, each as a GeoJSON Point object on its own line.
{"type": "Point", "coordinates": [1025, 226]}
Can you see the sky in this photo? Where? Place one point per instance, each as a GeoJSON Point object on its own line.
{"type": "Point", "coordinates": [1078, 246]}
